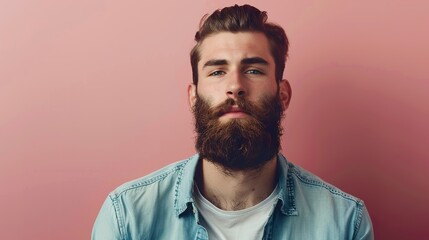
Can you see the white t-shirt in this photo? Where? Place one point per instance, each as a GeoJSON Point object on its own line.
{"type": "Point", "coordinates": [230, 225]}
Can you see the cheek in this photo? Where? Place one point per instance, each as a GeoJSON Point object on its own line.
{"type": "Point", "coordinates": [211, 95]}
{"type": "Point", "coordinates": [263, 90]}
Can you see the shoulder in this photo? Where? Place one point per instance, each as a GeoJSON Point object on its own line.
{"type": "Point", "coordinates": [164, 178]}
{"type": "Point", "coordinates": [140, 202]}
{"type": "Point", "coordinates": [333, 206]}
{"type": "Point", "coordinates": [307, 181]}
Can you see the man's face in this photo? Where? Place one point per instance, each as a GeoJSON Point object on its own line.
{"type": "Point", "coordinates": [237, 103]}
{"type": "Point", "coordinates": [235, 64]}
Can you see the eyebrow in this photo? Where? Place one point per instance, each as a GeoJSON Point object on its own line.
{"type": "Point", "coordinates": [247, 61]}
{"type": "Point", "coordinates": [215, 62]}
{"type": "Point", "coordinates": [254, 60]}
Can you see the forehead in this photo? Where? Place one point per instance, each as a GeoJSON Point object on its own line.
{"type": "Point", "coordinates": [234, 47]}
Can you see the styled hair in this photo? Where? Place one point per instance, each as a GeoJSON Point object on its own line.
{"type": "Point", "coordinates": [244, 18]}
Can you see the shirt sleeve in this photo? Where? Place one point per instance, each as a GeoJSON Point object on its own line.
{"type": "Point", "coordinates": [365, 231]}
{"type": "Point", "coordinates": [106, 226]}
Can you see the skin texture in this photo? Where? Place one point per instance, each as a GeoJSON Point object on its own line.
{"type": "Point", "coordinates": [233, 65]}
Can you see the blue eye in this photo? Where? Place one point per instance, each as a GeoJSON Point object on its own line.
{"type": "Point", "coordinates": [254, 71]}
{"type": "Point", "coordinates": [217, 73]}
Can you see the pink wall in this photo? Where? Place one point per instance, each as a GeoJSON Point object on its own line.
{"type": "Point", "coordinates": [93, 93]}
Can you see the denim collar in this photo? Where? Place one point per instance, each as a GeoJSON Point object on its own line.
{"type": "Point", "coordinates": [185, 180]}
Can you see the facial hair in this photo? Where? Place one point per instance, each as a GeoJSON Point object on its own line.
{"type": "Point", "coordinates": [241, 143]}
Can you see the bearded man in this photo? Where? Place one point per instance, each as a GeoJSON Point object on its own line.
{"type": "Point", "coordinates": [238, 186]}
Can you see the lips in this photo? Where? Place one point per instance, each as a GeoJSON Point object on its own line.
{"type": "Point", "coordinates": [233, 109]}
{"type": "Point", "coordinates": [234, 112]}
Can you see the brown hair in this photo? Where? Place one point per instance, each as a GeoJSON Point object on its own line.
{"type": "Point", "coordinates": [244, 18]}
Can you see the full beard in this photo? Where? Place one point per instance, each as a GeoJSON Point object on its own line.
{"type": "Point", "coordinates": [242, 143]}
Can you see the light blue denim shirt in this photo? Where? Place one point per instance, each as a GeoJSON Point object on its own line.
{"type": "Point", "coordinates": [161, 206]}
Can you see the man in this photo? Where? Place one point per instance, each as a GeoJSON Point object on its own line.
{"type": "Point", "coordinates": [238, 186]}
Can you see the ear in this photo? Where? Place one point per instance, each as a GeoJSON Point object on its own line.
{"type": "Point", "coordinates": [192, 94]}
{"type": "Point", "coordinates": [285, 92]}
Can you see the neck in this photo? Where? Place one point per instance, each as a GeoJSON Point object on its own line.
{"type": "Point", "coordinates": [235, 190]}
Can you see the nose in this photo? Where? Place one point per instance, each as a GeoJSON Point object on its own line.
{"type": "Point", "coordinates": [236, 86]}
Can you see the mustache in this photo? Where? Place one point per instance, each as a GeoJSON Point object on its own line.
{"type": "Point", "coordinates": [226, 106]}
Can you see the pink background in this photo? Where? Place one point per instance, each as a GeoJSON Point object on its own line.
{"type": "Point", "coordinates": [93, 94]}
